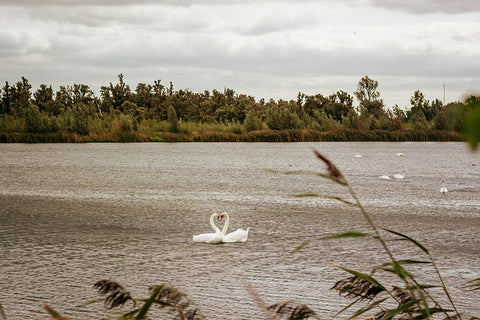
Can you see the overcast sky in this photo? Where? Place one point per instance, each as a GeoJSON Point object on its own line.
{"type": "Point", "coordinates": [264, 48]}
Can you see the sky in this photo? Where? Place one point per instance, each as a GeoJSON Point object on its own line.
{"type": "Point", "coordinates": [271, 49]}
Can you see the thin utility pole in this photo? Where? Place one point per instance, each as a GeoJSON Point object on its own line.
{"type": "Point", "coordinates": [444, 94]}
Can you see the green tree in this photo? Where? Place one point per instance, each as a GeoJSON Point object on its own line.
{"type": "Point", "coordinates": [172, 119]}
{"type": "Point", "coordinates": [81, 93]}
{"type": "Point", "coordinates": [5, 105]}
{"type": "Point", "coordinates": [78, 119]}
{"type": "Point", "coordinates": [416, 114]}
{"type": "Point", "coordinates": [33, 119]}
{"type": "Point", "coordinates": [397, 118]}
{"type": "Point", "coordinates": [282, 117]}
{"type": "Point", "coordinates": [143, 97]}
{"type": "Point", "coordinates": [114, 96]}
{"type": "Point", "coordinates": [341, 105]}
{"type": "Point", "coordinates": [369, 97]}
{"type": "Point", "coordinates": [252, 122]}
{"type": "Point", "coordinates": [19, 97]}
{"type": "Point", "coordinates": [44, 97]}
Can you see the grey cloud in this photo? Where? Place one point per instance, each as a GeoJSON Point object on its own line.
{"type": "Point", "coordinates": [62, 3]}
{"type": "Point", "coordinates": [430, 6]}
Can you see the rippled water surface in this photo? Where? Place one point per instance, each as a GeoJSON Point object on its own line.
{"type": "Point", "coordinates": [72, 214]}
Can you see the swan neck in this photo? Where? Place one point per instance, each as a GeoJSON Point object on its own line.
{"type": "Point", "coordinates": [212, 224]}
{"type": "Point", "coordinates": [227, 222]}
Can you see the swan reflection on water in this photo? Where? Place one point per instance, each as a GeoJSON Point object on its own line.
{"type": "Point", "coordinates": [239, 235]}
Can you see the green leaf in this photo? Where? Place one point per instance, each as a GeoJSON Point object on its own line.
{"type": "Point", "coordinates": [148, 303]}
{"type": "Point", "coordinates": [129, 315]}
{"type": "Point", "coordinates": [352, 204]}
{"type": "Point", "coordinates": [54, 314]}
{"type": "Point", "coordinates": [402, 308]}
{"type": "Point", "coordinates": [427, 313]}
{"type": "Point", "coordinates": [2, 312]}
{"type": "Point", "coordinates": [300, 247]}
{"type": "Point", "coordinates": [472, 285]}
{"type": "Point", "coordinates": [415, 242]}
{"type": "Point", "coordinates": [349, 234]}
{"type": "Point", "coordinates": [366, 308]}
{"type": "Point", "coordinates": [305, 195]}
{"type": "Point", "coordinates": [471, 122]}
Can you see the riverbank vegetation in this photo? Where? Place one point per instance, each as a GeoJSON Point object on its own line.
{"type": "Point", "coordinates": [154, 112]}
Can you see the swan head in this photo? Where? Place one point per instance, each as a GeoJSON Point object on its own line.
{"type": "Point", "coordinates": [221, 216]}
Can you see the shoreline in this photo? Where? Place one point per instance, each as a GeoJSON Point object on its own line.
{"type": "Point", "coordinates": [291, 135]}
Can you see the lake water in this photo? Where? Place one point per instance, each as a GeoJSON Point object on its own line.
{"type": "Point", "coordinates": [73, 214]}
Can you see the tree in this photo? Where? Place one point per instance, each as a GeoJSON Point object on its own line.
{"type": "Point", "coordinates": [252, 122]}
{"type": "Point", "coordinates": [20, 96]}
{"type": "Point", "coordinates": [282, 117]}
{"type": "Point", "coordinates": [397, 118]}
{"type": "Point", "coordinates": [416, 114]}
{"type": "Point", "coordinates": [172, 119]}
{"type": "Point", "coordinates": [369, 97]}
{"type": "Point", "coordinates": [43, 97]}
{"type": "Point", "coordinates": [341, 105]}
{"type": "Point", "coordinates": [5, 106]}
{"type": "Point", "coordinates": [33, 119]}
{"type": "Point", "coordinates": [114, 96]}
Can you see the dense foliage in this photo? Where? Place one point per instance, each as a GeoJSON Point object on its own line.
{"type": "Point", "coordinates": [154, 112]}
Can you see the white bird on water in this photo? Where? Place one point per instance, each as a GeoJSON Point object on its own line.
{"type": "Point", "coordinates": [240, 235]}
{"type": "Point", "coordinates": [384, 177]}
{"type": "Point", "coordinates": [399, 176]}
{"type": "Point", "coordinates": [215, 237]}
{"type": "Point", "coordinates": [443, 189]}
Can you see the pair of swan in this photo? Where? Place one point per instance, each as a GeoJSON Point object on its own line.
{"type": "Point", "coordinates": [240, 235]}
{"type": "Point", "coordinates": [399, 175]}
{"type": "Point", "coordinates": [396, 176]}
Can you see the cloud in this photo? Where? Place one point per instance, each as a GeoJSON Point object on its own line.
{"type": "Point", "coordinates": [265, 48]}
{"type": "Point", "coordinates": [430, 6]}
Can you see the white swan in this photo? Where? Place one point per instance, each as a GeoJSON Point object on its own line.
{"type": "Point", "coordinates": [399, 176]}
{"type": "Point", "coordinates": [400, 154]}
{"type": "Point", "coordinates": [239, 235]}
{"type": "Point", "coordinates": [216, 237]}
{"type": "Point", "coordinates": [443, 189]}
{"type": "Point", "coordinates": [384, 177]}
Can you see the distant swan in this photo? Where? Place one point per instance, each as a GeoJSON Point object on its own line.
{"type": "Point", "coordinates": [239, 235]}
{"type": "Point", "coordinates": [400, 154]}
{"type": "Point", "coordinates": [384, 177]}
{"type": "Point", "coordinates": [399, 176]}
{"type": "Point", "coordinates": [216, 237]}
{"type": "Point", "coordinates": [443, 189]}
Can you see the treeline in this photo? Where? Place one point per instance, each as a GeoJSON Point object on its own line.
{"type": "Point", "coordinates": [154, 112]}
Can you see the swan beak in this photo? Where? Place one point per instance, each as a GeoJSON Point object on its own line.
{"type": "Point", "coordinates": [220, 217]}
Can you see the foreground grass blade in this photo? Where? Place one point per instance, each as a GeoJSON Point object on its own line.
{"type": "Point", "coordinates": [366, 308]}
{"type": "Point", "coordinates": [415, 242]}
{"type": "Point", "coordinates": [472, 285]}
{"type": "Point", "coordinates": [54, 314]}
{"type": "Point", "coordinates": [2, 312]}
{"type": "Point", "coordinates": [349, 234]}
